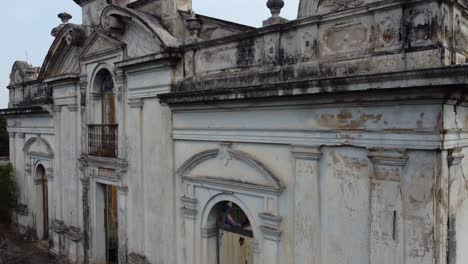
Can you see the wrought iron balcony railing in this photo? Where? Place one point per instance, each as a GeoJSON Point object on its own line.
{"type": "Point", "coordinates": [102, 140]}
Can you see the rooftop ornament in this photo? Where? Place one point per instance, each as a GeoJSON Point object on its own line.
{"type": "Point", "coordinates": [65, 17]}
{"type": "Point", "coordinates": [275, 7]}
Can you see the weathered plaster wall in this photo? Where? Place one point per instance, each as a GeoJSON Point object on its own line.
{"type": "Point", "coordinates": [357, 194]}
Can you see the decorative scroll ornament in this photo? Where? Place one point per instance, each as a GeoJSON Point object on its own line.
{"type": "Point", "coordinates": [340, 5]}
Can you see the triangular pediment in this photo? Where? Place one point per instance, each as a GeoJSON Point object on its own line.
{"type": "Point", "coordinates": [100, 43]}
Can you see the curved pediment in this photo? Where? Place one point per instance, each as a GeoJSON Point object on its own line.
{"type": "Point", "coordinates": [230, 165]}
{"type": "Point", "coordinates": [62, 58]}
{"type": "Point", "coordinates": [38, 146]}
{"type": "Point", "coordinates": [146, 21]}
{"type": "Point", "coordinates": [22, 72]}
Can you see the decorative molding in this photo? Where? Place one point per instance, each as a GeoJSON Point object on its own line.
{"type": "Point", "coordinates": [388, 163]}
{"type": "Point", "coordinates": [256, 247]}
{"type": "Point", "coordinates": [57, 108]}
{"type": "Point", "coordinates": [455, 156]}
{"type": "Point", "coordinates": [73, 107]}
{"type": "Point", "coordinates": [22, 209]}
{"type": "Point", "coordinates": [50, 174]}
{"type": "Point", "coordinates": [12, 135]}
{"type": "Point", "coordinates": [390, 157]}
{"type": "Point", "coordinates": [135, 103]}
{"type": "Point", "coordinates": [270, 220]}
{"type": "Point", "coordinates": [28, 168]}
{"type": "Point", "coordinates": [119, 165]}
{"type": "Point", "coordinates": [74, 233]}
{"type": "Point", "coordinates": [190, 207]}
{"type": "Point", "coordinates": [123, 190]}
{"type": "Point", "coordinates": [95, 96]}
{"type": "Point", "coordinates": [21, 135]}
{"type": "Point", "coordinates": [209, 231]}
{"type": "Point", "coordinates": [306, 153]}
{"type": "Point", "coordinates": [134, 258]}
{"type": "Point", "coordinates": [422, 140]}
{"type": "Point", "coordinates": [272, 234]}
{"type": "Point", "coordinates": [215, 183]}
{"type": "Point", "coordinates": [57, 226]}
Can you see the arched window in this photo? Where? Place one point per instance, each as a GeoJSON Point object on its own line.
{"type": "Point", "coordinates": [104, 85]}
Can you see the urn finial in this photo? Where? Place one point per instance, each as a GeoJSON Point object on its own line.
{"type": "Point", "coordinates": [65, 17]}
{"type": "Point", "coordinates": [275, 7]}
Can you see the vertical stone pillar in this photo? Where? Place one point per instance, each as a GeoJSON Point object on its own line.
{"type": "Point", "coordinates": [58, 162]}
{"type": "Point", "coordinates": [272, 237]}
{"type": "Point", "coordinates": [307, 227]}
{"type": "Point", "coordinates": [137, 194]}
{"type": "Point", "coordinates": [19, 169]}
{"type": "Point", "coordinates": [386, 240]}
{"type": "Point", "coordinates": [12, 148]}
{"type": "Point", "coordinates": [85, 184]}
{"type": "Point", "coordinates": [455, 190]}
{"type": "Point", "coordinates": [123, 192]}
{"type": "Point", "coordinates": [209, 236]}
{"type": "Point", "coordinates": [190, 216]}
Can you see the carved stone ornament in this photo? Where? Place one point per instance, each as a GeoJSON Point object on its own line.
{"type": "Point", "coordinates": [340, 5]}
{"type": "Point", "coordinates": [76, 36]}
{"type": "Point", "coordinates": [113, 24]}
{"type": "Point", "coordinates": [22, 209]}
{"type": "Point", "coordinates": [134, 258]}
{"type": "Point", "coordinates": [193, 27]}
{"type": "Point", "coordinates": [57, 226]}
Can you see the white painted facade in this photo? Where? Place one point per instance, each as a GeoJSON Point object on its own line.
{"type": "Point", "coordinates": [341, 135]}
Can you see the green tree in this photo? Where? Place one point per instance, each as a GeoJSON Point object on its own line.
{"type": "Point", "coordinates": [4, 139]}
{"type": "Point", "coordinates": [7, 192]}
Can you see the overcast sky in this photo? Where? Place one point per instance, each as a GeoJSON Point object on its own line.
{"type": "Point", "coordinates": [26, 26]}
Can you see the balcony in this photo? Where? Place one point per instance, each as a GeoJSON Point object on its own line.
{"type": "Point", "coordinates": [102, 141]}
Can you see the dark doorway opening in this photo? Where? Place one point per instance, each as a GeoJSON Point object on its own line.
{"type": "Point", "coordinates": [235, 236]}
{"type": "Point", "coordinates": [42, 176]}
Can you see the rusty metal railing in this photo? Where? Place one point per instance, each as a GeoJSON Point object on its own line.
{"type": "Point", "coordinates": [102, 140]}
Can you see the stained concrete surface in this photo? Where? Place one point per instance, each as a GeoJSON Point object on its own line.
{"type": "Point", "coordinates": [22, 252]}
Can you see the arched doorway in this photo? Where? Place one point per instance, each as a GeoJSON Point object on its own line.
{"type": "Point", "coordinates": [42, 176]}
{"type": "Point", "coordinates": [235, 235]}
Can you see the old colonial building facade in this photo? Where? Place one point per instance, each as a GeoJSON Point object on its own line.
{"type": "Point", "coordinates": [152, 134]}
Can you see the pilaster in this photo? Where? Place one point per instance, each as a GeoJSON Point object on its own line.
{"type": "Point", "coordinates": [456, 185]}
{"type": "Point", "coordinates": [307, 234]}
{"type": "Point", "coordinates": [190, 215]}
{"type": "Point", "coordinates": [387, 230]}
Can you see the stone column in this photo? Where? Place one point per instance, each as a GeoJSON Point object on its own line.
{"type": "Point", "coordinates": [307, 227]}
{"type": "Point", "coordinates": [190, 216]}
{"type": "Point", "coordinates": [386, 240]}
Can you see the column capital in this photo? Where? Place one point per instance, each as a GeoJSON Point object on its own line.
{"type": "Point", "coordinates": [21, 135]}
{"type": "Point", "coordinates": [270, 233]}
{"type": "Point", "coordinates": [135, 103]}
{"type": "Point", "coordinates": [388, 163]}
{"type": "Point", "coordinates": [190, 207]}
{"type": "Point", "coordinates": [209, 231]}
{"type": "Point", "coordinates": [455, 156]}
{"type": "Point", "coordinates": [307, 153]}
{"type": "Point", "coordinates": [389, 157]}
{"type": "Point", "coordinates": [12, 134]}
